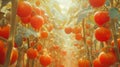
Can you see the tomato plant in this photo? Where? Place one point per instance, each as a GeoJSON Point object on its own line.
{"type": "Point", "coordinates": [41, 34]}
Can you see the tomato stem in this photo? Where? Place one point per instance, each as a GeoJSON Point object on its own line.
{"type": "Point", "coordinates": [84, 40]}
{"type": "Point", "coordinates": [12, 32]}
{"type": "Point", "coordinates": [32, 63]}
{"type": "Point", "coordinates": [113, 27]}
{"type": "Point", "coordinates": [19, 58]}
{"type": "Point", "coordinates": [28, 43]}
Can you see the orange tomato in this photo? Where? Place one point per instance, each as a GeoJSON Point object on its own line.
{"type": "Point", "coordinates": [37, 21]}
{"type": "Point", "coordinates": [37, 2]}
{"type": "Point", "coordinates": [68, 30]}
{"type": "Point", "coordinates": [78, 36]}
{"type": "Point", "coordinates": [45, 60]}
{"type": "Point", "coordinates": [44, 34]}
{"type": "Point", "coordinates": [77, 30]}
{"type": "Point", "coordinates": [24, 9]}
{"type": "Point", "coordinates": [89, 42]}
{"type": "Point", "coordinates": [83, 63]}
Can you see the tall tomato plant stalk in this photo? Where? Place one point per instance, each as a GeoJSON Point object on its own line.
{"type": "Point", "coordinates": [84, 40]}
{"type": "Point", "coordinates": [113, 28]}
{"type": "Point", "coordinates": [12, 32]}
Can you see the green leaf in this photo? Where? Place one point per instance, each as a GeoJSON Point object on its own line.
{"type": "Point", "coordinates": [29, 32]}
{"type": "Point", "coordinates": [107, 3]}
{"type": "Point", "coordinates": [113, 13]}
{"type": "Point", "coordinates": [83, 13]}
{"type": "Point", "coordinates": [26, 32]}
{"type": "Point", "coordinates": [18, 40]}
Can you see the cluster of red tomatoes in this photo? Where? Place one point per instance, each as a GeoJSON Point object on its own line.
{"type": "Point", "coordinates": [102, 34]}
{"type": "Point", "coordinates": [30, 14]}
{"type": "Point", "coordinates": [34, 16]}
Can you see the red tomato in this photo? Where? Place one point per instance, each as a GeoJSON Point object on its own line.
{"type": "Point", "coordinates": [45, 60]}
{"type": "Point", "coordinates": [107, 58]}
{"type": "Point", "coordinates": [83, 63]}
{"type": "Point", "coordinates": [2, 52]}
{"type": "Point", "coordinates": [39, 47]}
{"type": "Point", "coordinates": [14, 56]}
{"type": "Point", "coordinates": [97, 63]}
{"type": "Point", "coordinates": [31, 53]}
{"type": "Point", "coordinates": [24, 9]}
{"type": "Point", "coordinates": [26, 20]}
{"type": "Point", "coordinates": [97, 3]}
{"type": "Point", "coordinates": [32, 43]}
{"type": "Point", "coordinates": [102, 34]}
{"type": "Point", "coordinates": [5, 31]}
{"type": "Point", "coordinates": [89, 42]}
{"type": "Point", "coordinates": [101, 17]}
{"type": "Point", "coordinates": [37, 21]}
{"type": "Point", "coordinates": [68, 30]}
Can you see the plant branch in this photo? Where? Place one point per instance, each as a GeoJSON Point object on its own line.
{"type": "Point", "coordinates": [113, 27]}
{"type": "Point", "coordinates": [12, 33]}
{"type": "Point", "coordinates": [84, 40]}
